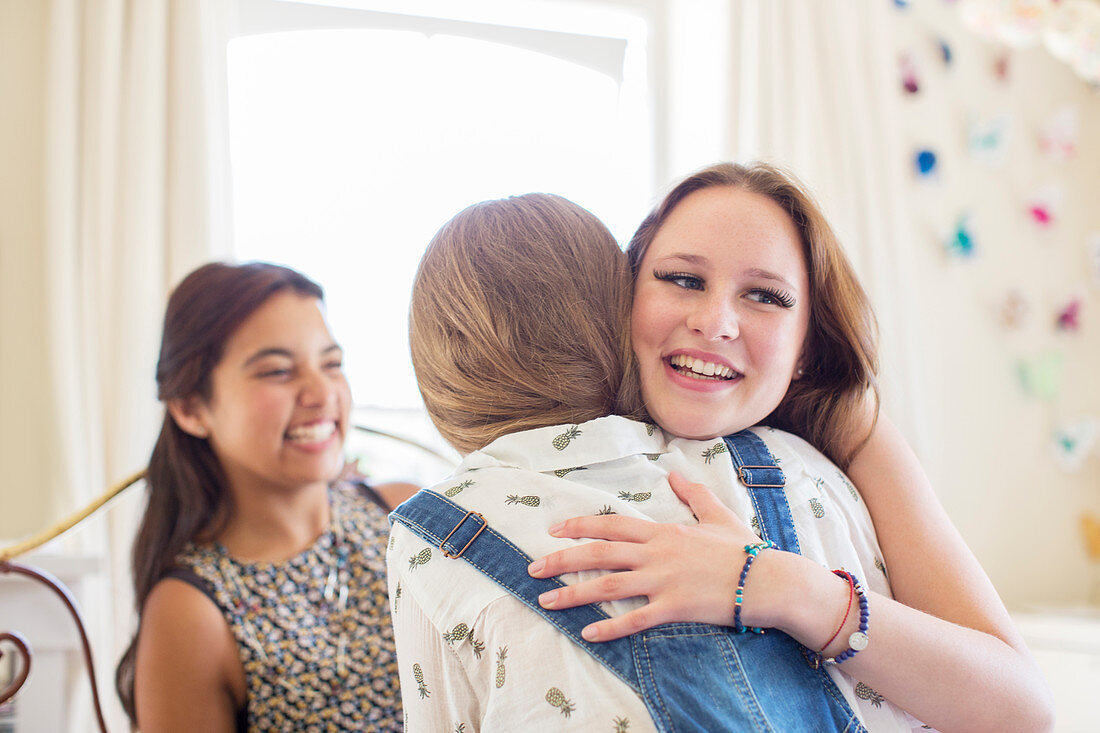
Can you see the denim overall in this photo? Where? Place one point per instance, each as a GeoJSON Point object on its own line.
{"type": "Point", "coordinates": [691, 676]}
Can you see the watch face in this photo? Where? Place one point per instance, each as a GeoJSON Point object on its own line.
{"type": "Point", "coordinates": [858, 641]}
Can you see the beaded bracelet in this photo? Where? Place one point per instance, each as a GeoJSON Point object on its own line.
{"type": "Point", "coordinates": [858, 640]}
{"type": "Point", "coordinates": [847, 612]}
{"type": "Point", "coordinates": [752, 550]}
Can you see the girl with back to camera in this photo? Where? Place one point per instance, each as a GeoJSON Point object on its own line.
{"type": "Point", "coordinates": [629, 466]}
{"type": "Point", "coordinates": [259, 579]}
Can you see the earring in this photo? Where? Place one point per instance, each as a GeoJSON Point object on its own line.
{"type": "Point", "coordinates": [801, 371]}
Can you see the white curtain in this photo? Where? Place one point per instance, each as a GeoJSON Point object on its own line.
{"type": "Point", "coordinates": [137, 194]}
{"type": "Point", "coordinates": [815, 90]}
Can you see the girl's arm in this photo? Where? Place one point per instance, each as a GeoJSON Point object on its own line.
{"type": "Point", "coordinates": [945, 650]}
{"type": "Point", "coordinates": [947, 623]}
{"type": "Point", "coordinates": [187, 675]}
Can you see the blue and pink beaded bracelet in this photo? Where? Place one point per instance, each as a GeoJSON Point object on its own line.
{"type": "Point", "coordinates": [752, 550]}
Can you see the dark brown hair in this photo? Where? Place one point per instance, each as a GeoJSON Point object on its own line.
{"type": "Point", "coordinates": [840, 356]}
{"type": "Point", "coordinates": [187, 493]}
{"type": "Point", "coordinates": [518, 320]}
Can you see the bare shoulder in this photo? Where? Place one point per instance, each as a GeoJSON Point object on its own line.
{"type": "Point", "coordinates": [395, 492]}
{"type": "Point", "coordinates": [188, 674]}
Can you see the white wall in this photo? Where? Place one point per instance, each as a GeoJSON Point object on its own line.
{"type": "Point", "coordinates": [989, 448]}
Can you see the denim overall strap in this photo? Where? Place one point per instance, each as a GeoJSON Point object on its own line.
{"type": "Point", "coordinates": [765, 482]}
{"type": "Point", "coordinates": [465, 534]}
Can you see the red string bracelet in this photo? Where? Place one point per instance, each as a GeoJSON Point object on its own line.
{"type": "Point", "coordinates": [847, 608]}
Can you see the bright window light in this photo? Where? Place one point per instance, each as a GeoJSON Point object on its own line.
{"type": "Point", "coordinates": [350, 148]}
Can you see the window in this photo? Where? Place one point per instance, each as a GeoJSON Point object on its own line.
{"type": "Point", "coordinates": [356, 134]}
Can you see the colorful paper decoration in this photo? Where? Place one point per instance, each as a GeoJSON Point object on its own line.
{"type": "Point", "coordinates": [1058, 135]}
{"type": "Point", "coordinates": [1013, 310]}
{"type": "Point", "coordinates": [1041, 376]}
{"type": "Point", "coordinates": [1069, 316]}
{"type": "Point", "coordinates": [1001, 67]}
{"type": "Point", "coordinates": [1044, 204]}
{"type": "Point", "coordinates": [925, 161]}
{"type": "Point", "coordinates": [988, 138]}
{"type": "Point", "coordinates": [1069, 29]}
{"type": "Point", "coordinates": [1072, 442]}
{"type": "Point", "coordinates": [1090, 525]}
{"type": "Point", "coordinates": [1072, 34]}
{"type": "Point", "coordinates": [909, 81]}
{"type": "Point", "coordinates": [945, 51]}
{"type": "Point", "coordinates": [961, 242]}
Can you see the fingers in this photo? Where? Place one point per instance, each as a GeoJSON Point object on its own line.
{"type": "Point", "coordinates": [606, 527]}
{"type": "Point", "coordinates": [701, 500]}
{"type": "Point", "coordinates": [629, 623]}
{"type": "Point", "coordinates": [589, 556]}
{"type": "Point", "coordinates": [609, 587]}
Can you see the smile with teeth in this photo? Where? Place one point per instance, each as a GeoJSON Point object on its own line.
{"type": "Point", "coordinates": [699, 369]}
{"type": "Point", "coordinates": [315, 433]}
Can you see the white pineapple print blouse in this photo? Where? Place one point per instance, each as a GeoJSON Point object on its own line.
{"type": "Point", "coordinates": [472, 657]}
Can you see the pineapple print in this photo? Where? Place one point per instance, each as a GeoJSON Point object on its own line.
{"type": "Point", "coordinates": [754, 523]}
{"type": "Point", "coordinates": [502, 652]}
{"type": "Point", "coordinates": [817, 508]}
{"type": "Point", "coordinates": [457, 488]}
{"type": "Point", "coordinates": [418, 675]}
{"type": "Point", "coordinates": [461, 632]}
{"type": "Point", "coordinates": [392, 540]}
{"type": "Point", "coordinates": [863, 692]}
{"type": "Point", "coordinates": [562, 472]}
{"type": "Point", "coordinates": [851, 489]}
{"type": "Point", "coordinates": [460, 727]}
{"type": "Point", "coordinates": [641, 496]}
{"type": "Point", "coordinates": [458, 633]}
{"type": "Point", "coordinates": [652, 456]}
{"type": "Point", "coordinates": [556, 698]}
{"type": "Point", "coordinates": [561, 442]}
{"type": "Point", "coordinates": [649, 428]}
{"type": "Point", "coordinates": [606, 509]}
{"type": "Point", "coordinates": [715, 450]}
{"type": "Point", "coordinates": [622, 725]}
{"type": "Point", "coordinates": [525, 500]}
{"type": "Point", "coordinates": [420, 558]}
{"type": "Point", "coordinates": [396, 596]}
{"type": "Point", "coordinates": [881, 567]}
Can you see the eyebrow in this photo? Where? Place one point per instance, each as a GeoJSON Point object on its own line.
{"type": "Point", "coordinates": [275, 351]}
{"type": "Point", "coordinates": [695, 259]}
{"type": "Point", "coordinates": [767, 275]}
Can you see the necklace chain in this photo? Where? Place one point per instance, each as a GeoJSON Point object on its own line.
{"type": "Point", "coordinates": [338, 554]}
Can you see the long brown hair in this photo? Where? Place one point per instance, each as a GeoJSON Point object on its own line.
{"type": "Point", "coordinates": [518, 320]}
{"type": "Point", "coordinates": [187, 492]}
{"type": "Point", "coordinates": [840, 357]}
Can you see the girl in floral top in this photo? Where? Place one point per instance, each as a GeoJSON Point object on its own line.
{"type": "Point", "coordinates": [259, 582]}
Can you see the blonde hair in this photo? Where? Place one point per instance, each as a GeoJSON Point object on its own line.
{"type": "Point", "coordinates": [840, 357]}
{"type": "Point", "coordinates": [518, 320]}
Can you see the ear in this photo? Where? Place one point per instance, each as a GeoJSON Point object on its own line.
{"type": "Point", "coordinates": [189, 414]}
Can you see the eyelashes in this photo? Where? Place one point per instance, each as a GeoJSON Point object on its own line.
{"type": "Point", "coordinates": [683, 279]}
{"type": "Point", "coordinates": [778, 297]}
{"type": "Point", "coordinates": [687, 281]}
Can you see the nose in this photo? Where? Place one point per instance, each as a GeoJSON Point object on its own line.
{"type": "Point", "coordinates": [317, 389]}
{"type": "Point", "coordinates": [714, 318]}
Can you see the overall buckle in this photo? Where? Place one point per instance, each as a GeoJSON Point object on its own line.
{"type": "Point", "coordinates": [745, 481]}
{"type": "Point", "coordinates": [481, 529]}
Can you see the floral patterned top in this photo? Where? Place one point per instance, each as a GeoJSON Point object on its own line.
{"type": "Point", "coordinates": [314, 631]}
{"type": "Point", "coordinates": [472, 657]}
